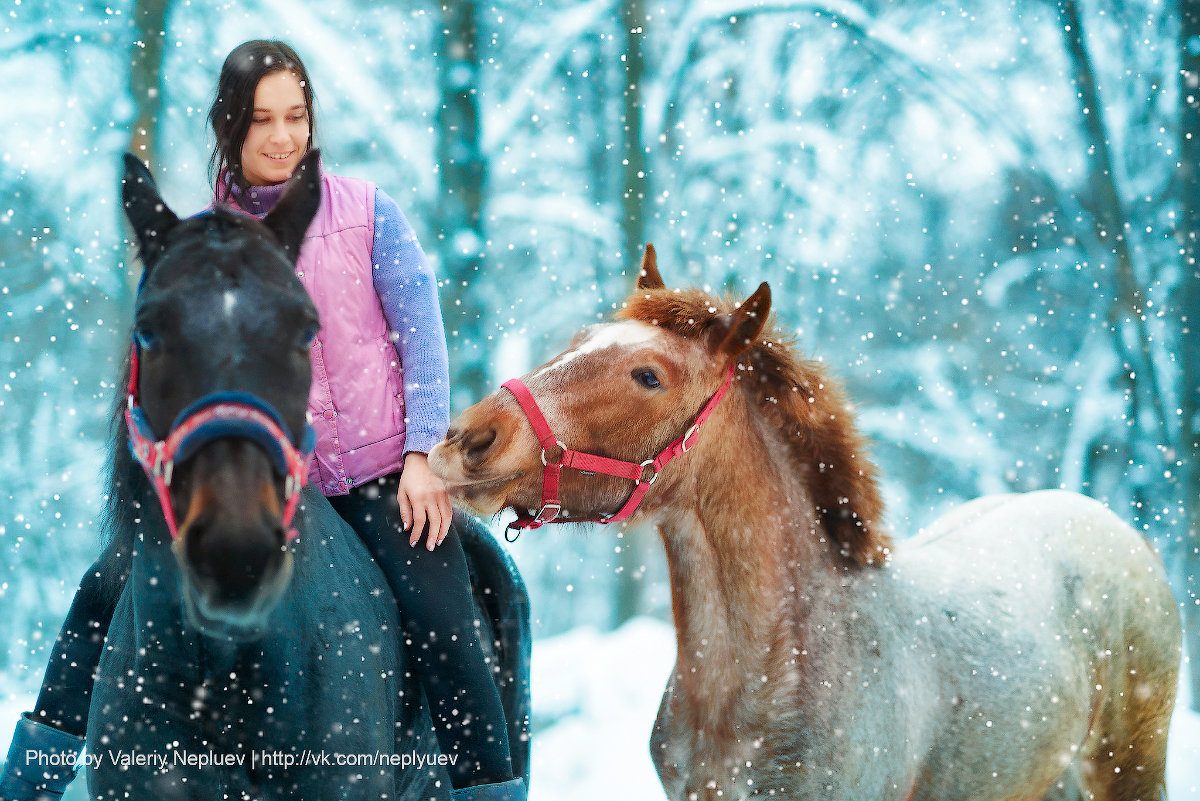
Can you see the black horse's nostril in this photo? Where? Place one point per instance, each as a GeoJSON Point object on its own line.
{"type": "Point", "coordinates": [475, 444]}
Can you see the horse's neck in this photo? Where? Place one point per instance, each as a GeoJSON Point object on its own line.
{"type": "Point", "coordinates": [154, 582]}
{"type": "Point", "coordinates": [748, 567]}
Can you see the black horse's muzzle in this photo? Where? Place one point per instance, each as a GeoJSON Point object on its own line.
{"type": "Point", "coordinates": [232, 578]}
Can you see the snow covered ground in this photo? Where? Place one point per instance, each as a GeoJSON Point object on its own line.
{"type": "Point", "coordinates": [1183, 752]}
{"type": "Point", "coordinates": [595, 697]}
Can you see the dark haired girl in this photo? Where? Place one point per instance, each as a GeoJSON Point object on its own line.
{"type": "Point", "coordinates": [379, 402]}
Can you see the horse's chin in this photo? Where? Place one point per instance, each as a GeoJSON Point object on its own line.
{"type": "Point", "coordinates": [484, 497]}
{"type": "Point", "coordinates": [218, 629]}
{"type": "Point", "coordinates": [235, 622]}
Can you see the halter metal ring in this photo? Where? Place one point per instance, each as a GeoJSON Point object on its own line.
{"type": "Point", "coordinates": [561, 447]}
{"type": "Point", "coordinates": [653, 476]}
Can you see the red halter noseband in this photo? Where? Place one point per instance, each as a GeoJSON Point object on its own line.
{"type": "Point", "coordinates": [220, 414]}
{"type": "Point", "coordinates": [590, 463]}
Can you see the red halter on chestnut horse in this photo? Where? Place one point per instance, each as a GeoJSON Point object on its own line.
{"type": "Point", "coordinates": [1021, 647]}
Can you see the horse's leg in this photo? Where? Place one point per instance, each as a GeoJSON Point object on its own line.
{"type": "Point", "coordinates": [1067, 788]}
{"type": "Point", "coordinates": [668, 771]}
{"type": "Point", "coordinates": [1126, 755]}
{"type": "Point", "coordinates": [672, 744]}
{"type": "Point", "coordinates": [1128, 759]}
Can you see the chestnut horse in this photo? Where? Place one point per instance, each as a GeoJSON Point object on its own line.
{"type": "Point", "coordinates": [1021, 647]}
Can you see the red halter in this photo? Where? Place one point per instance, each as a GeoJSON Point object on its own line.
{"type": "Point", "coordinates": [590, 463]}
{"type": "Point", "coordinates": [220, 414]}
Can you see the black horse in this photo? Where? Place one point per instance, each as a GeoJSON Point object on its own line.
{"type": "Point", "coordinates": [246, 659]}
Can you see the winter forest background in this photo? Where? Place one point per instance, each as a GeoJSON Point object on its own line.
{"type": "Point", "coordinates": [980, 215]}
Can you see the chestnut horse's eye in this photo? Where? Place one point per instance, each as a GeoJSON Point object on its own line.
{"type": "Point", "coordinates": [647, 378]}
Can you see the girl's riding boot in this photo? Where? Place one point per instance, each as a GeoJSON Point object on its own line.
{"type": "Point", "coordinates": [511, 790]}
{"type": "Point", "coordinates": [41, 762]}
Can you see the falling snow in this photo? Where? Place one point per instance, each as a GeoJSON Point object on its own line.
{"type": "Point", "coordinates": [923, 185]}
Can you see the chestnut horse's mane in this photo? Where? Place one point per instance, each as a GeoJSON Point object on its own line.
{"type": "Point", "coordinates": [799, 399]}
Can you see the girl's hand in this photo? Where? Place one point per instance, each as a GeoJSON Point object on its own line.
{"type": "Point", "coordinates": [423, 499]}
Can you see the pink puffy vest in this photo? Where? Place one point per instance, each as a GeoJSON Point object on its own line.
{"type": "Point", "coordinates": [357, 396]}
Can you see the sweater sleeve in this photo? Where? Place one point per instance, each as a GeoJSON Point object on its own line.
{"type": "Point", "coordinates": [407, 291]}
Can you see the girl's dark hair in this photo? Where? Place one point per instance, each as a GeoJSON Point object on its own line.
{"type": "Point", "coordinates": [233, 108]}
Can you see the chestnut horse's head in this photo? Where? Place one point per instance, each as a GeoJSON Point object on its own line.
{"type": "Point", "coordinates": [629, 390]}
{"type": "Point", "coordinates": [218, 393]}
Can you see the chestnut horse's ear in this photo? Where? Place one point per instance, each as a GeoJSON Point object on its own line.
{"type": "Point", "coordinates": [731, 334]}
{"type": "Point", "coordinates": [649, 277]}
{"type": "Point", "coordinates": [296, 208]}
{"type": "Point", "coordinates": [147, 213]}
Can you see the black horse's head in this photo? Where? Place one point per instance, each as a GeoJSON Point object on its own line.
{"type": "Point", "coordinates": [220, 314]}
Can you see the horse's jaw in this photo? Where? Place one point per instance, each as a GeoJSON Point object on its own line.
{"type": "Point", "coordinates": [486, 499]}
{"type": "Point", "coordinates": [484, 495]}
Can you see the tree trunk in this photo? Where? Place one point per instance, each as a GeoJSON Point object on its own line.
{"type": "Point", "coordinates": [145, 77]}
{"type": "Point", "coordinates": [463, 174]}
{"type": "Point", "coordinates": [1188, 556]}
{"type": "Point", "coordinates": [145, 87]}
{"type": "Point", "coordinates": [1128, 309]}
{"type": "Point", "coordinates": [636, 182]}
{"type": "Point", "coordinates": [634, 207]}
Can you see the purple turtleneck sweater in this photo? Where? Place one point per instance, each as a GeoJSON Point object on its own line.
{"type": "Point", "coordinates": [407, 292]}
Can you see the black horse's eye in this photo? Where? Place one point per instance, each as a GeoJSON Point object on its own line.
{"type": "Point", "coordinates": [145, 338]}
{"type": "Point", "coordinates": [647, 378]}
{"type": "Point", "coordinates": [309, 337]}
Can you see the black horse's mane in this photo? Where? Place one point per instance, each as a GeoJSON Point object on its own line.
{"type": "Point", "coordinates": [126, 489]}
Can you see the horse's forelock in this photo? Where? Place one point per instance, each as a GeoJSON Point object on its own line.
{"type": "Point", "coordinates": [687, 312]}
{"type": "Point", "coordinates": [191, 246]}
{"type": "Point", "coordinates": [800, 398]}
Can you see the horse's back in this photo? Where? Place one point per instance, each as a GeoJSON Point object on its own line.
{"type": "Point", "coordinates": [1049, 617]}
{"type": "Point", "coordinates": [1070, 541]}
{"type": "Point", "coordinates": [1053, 561]}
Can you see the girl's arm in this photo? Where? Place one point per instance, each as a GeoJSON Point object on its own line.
{"type": "Point", "coordinates": [407, 291]}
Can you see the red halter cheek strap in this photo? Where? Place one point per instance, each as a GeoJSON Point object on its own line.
{"type": "Point", "coordinates": [643, 474]}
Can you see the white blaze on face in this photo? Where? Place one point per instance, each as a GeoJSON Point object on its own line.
{"type": "Point", "coordinates": [628, 333]}
{"type": "Point", "coordinates": [230, 302]}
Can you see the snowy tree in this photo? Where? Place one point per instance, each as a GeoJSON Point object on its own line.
{"type": "Point", "coordinates": [463, 172]}
{"type": "Point", "coordinates": [979, 216]}
{"type": "Point", "coordinates": [1187, 307]}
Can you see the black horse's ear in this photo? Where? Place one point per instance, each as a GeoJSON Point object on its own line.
{"type": "Point", "coordinates": [298, 205]}
{"type": "Point", "coordinates": [649, 277]}
{"type": "Point", "coordinates": [731, 334]}
{"type": "Point", "coordinates": [147, 213]}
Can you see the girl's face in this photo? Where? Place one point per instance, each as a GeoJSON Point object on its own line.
{"type": "Point", "coordinates": [278, 135]}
